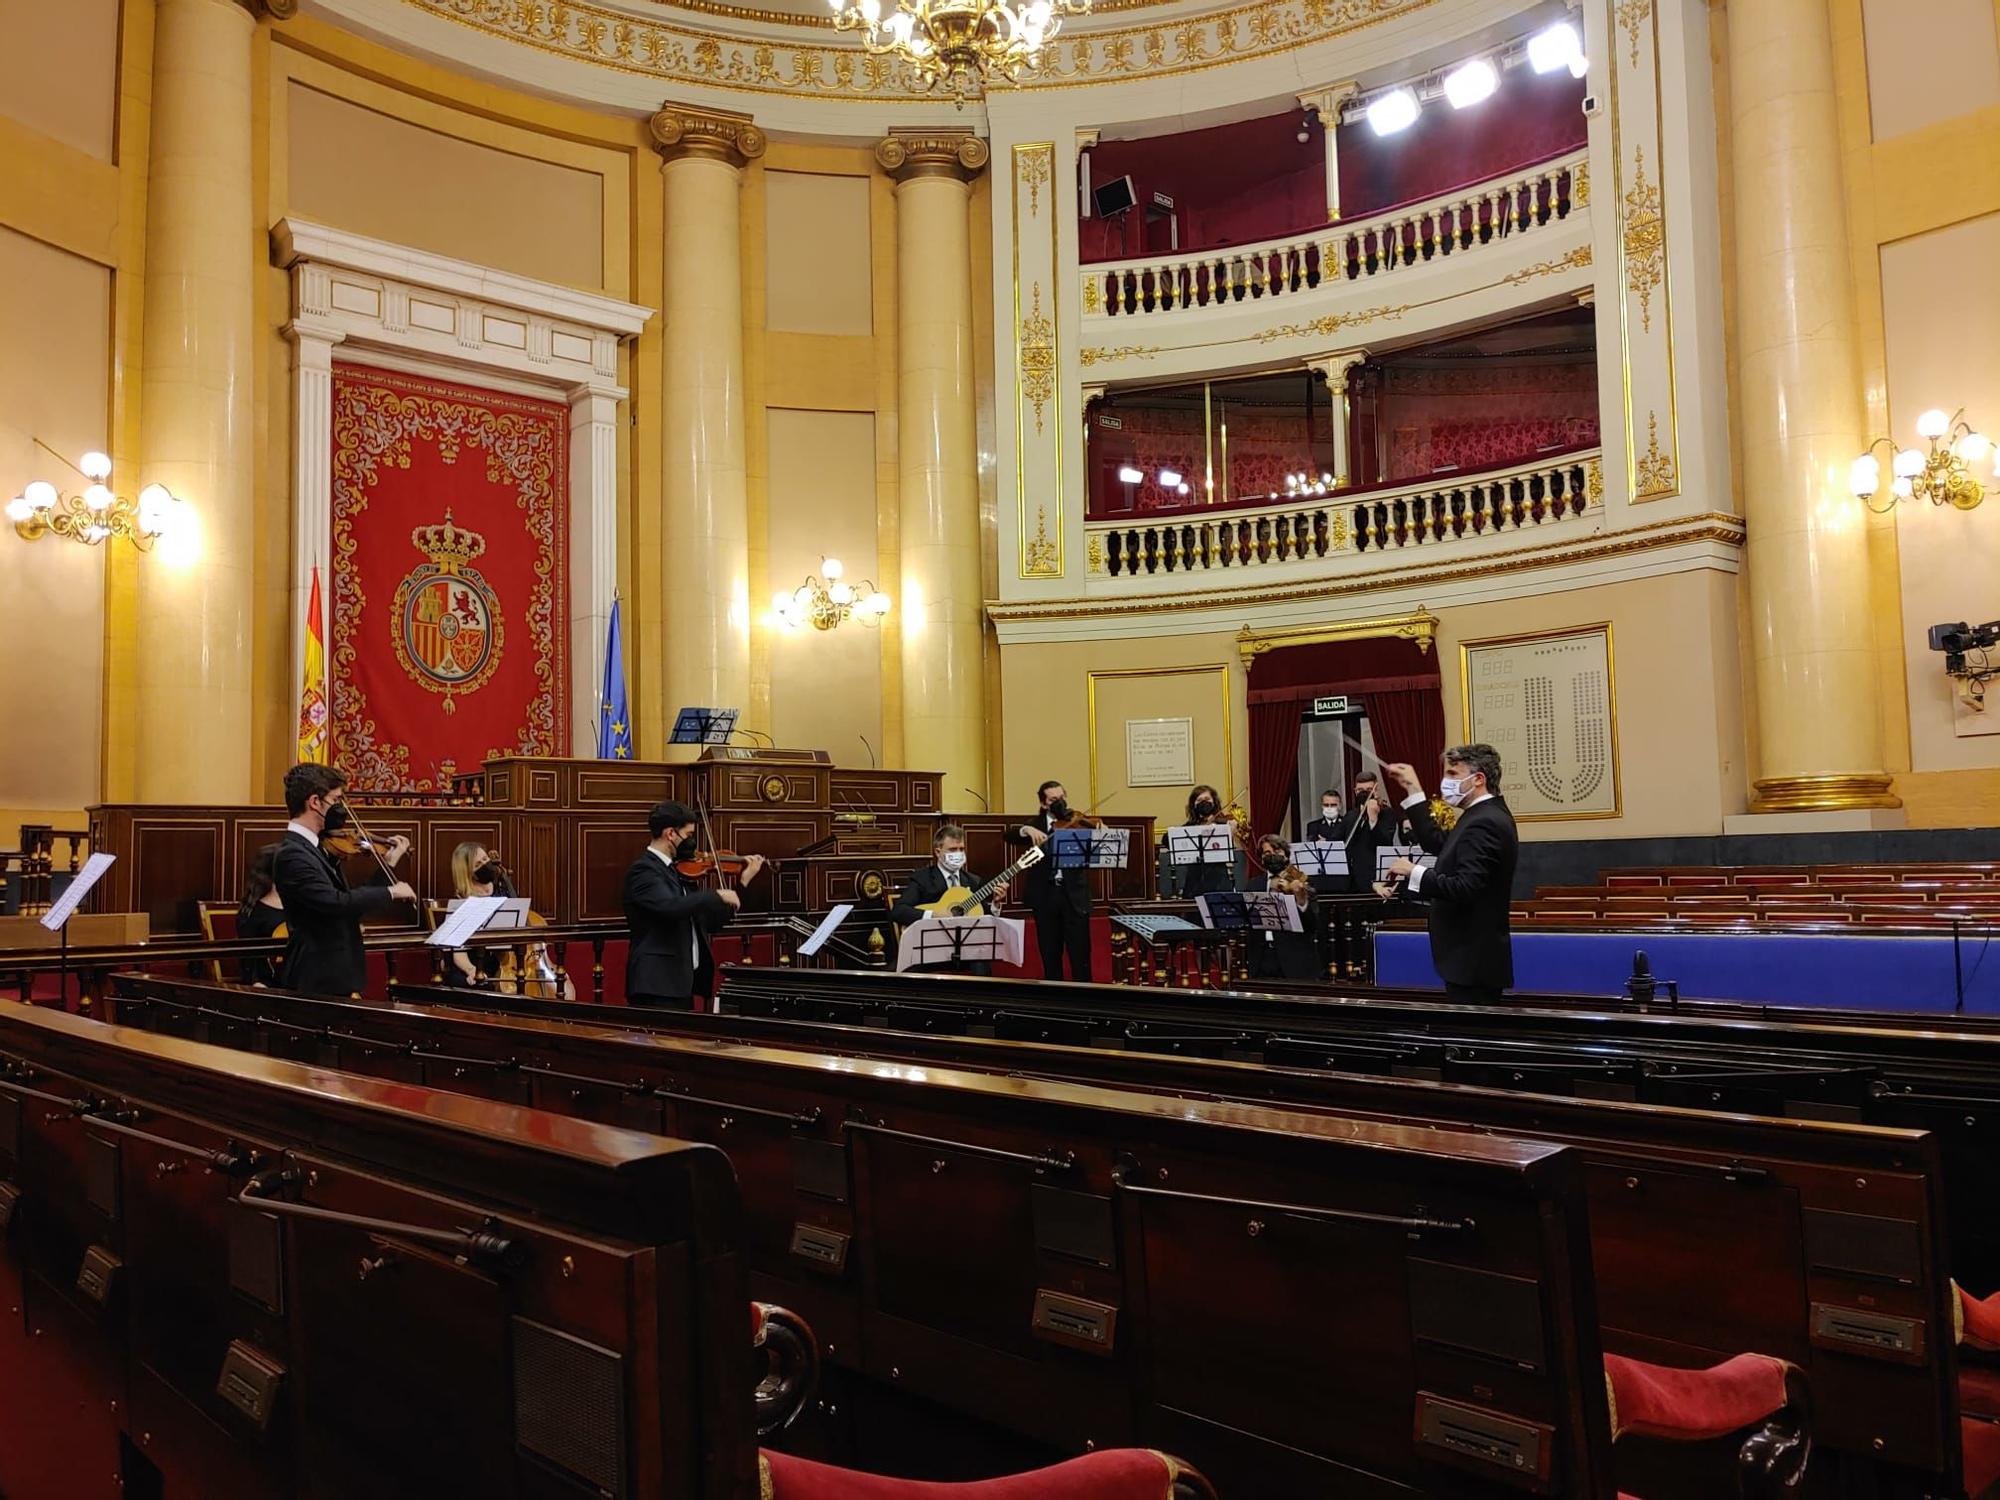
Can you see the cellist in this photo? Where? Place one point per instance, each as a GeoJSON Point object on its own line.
{"type": "Point", "coordinates": [671, 915]}
{"type": "Point", "coordinates": [1060, 899]}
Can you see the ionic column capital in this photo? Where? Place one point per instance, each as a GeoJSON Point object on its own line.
{"type": "Point", "coordinates": [270, 10]}
{"type": "Point", "coordinates": [1327, 99]}
{"type": "Point", "coordinates": [1336, 365]}
{"type": "Point", "coordinates": [681, 131]}
{"type": "Point", "coordinates": [909, 154]}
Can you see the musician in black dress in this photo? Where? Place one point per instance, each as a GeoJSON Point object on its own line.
{"type": "Point", "coordinates": [261, 915]}
{"type": "Point", "coordinates": [1284, 955]}
{"type": "Point", "coordinates": [1204, 810]}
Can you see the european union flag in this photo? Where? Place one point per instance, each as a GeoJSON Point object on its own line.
{"type": "Point", "coordinates": [614, 716]}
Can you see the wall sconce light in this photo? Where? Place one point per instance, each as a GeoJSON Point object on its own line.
{"type": "Point", "coordinates": [1941, 474]}
{"type": "Point", "coordinates": [96, 513]}
{"type": "Point", "coordinates": [824, 605]}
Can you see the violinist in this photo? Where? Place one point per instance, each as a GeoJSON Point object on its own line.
{"type": "Point", "coordinates": [1204, 806]}
{"type": "Point", "coordinates": [475, 872]}
{"type": "Point", "coordinates": [1060, 899]}
{"type": "Point", "coordinates": [322, 912]}
{"type": "Point", "coordinates": [1284, 955]}
{"type": "Point", "coordinates": [671, 915]}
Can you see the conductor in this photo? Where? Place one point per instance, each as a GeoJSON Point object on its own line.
{"type": "Point", "coordinates": [1471, 889]}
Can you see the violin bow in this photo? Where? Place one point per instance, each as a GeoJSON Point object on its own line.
{"type": "Point", "coordinates": [368, 839]}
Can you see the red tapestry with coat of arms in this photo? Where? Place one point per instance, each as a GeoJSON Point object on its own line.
{"type": "Point", "coordinates": [450, 619]}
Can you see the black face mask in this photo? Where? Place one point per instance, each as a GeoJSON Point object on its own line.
{"type": "Point", "coordinates": [1204, 808]}
{"type": "Point", "coordinates": [335, 818]}
{"type": "Point", "coordinates": [489, 873]}
{"type": "Point", "coordinates": [1059, 809]}
{"type": "Point", "coordinates": [685, 848]}
{"type": "Point", "coordinates": [1274, 864]}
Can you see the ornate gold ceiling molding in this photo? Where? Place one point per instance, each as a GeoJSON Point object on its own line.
{"type": "Point", "coordinates": [689, 53]}
{"type": "Point", "coordinates": [1709, 526]}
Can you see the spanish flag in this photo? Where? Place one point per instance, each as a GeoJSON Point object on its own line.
{"type": "Point", "coordinates": [312, 690]}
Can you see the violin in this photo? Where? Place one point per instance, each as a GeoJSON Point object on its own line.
{"type": "Point", "coordinates": [722, 864]}
{"type": "Point", "coordinates": [356, 839]}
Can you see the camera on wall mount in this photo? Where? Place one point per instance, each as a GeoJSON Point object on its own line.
{"type": "Point", "coordinates": [1967, 657]}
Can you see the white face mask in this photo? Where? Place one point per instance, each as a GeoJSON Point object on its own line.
{"type": "Point", "coordinates": [1329, 809]}
{"type": "Point", "coordinates": [1453, 789]}
{"type": "Point", "coordinates": [953, 860]}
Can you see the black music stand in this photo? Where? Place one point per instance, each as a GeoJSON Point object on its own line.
{"type": "Point", "coordinates": [704, 726]}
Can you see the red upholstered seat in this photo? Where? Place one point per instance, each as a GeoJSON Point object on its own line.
{"type": "Point", "coordinates": [1116, 1474]}
{"type": "Point", "coordinates": [1978, 1319]}
{"type": "Point", "coordinates": [1751, 1391]}
{"type": "Point", "coordinates": [1979, 1442]}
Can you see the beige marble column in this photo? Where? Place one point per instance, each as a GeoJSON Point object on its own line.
{"type": "Point", "coordinates": [196, 590]}
{"type": "Point", "coordinates": [706, 528]}
{"type": "Point", "coordinates": [1801, 419]}
{"type": "Point", "coordinates": [944, 709]}
{"type": "Point", "coordinates": [1327, 103]}
{"type": "Point", "coordinates": [1335, 367]}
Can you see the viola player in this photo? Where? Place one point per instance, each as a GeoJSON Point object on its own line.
{"type": "Point", "coordinates": [671, 915]}
{"type": "Point", "coordinates": [1060, 899]}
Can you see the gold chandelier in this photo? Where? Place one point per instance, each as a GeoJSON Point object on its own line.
{"type": "Point", "coordinates": [1942, 474]}
{"type": "Point", "coordinates": [952, 45]}
{"type": "Point", "coordinates": [95, 514]}
{"type": "Point", "coordinates": [824, 605]}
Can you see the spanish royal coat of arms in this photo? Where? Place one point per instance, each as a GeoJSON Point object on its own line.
{"type": "Point", "coordinates": [445, 618]}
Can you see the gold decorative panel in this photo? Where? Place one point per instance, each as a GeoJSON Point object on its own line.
{"type": "Point", "coordinates": [1038, 461]}
{"type": "Point", "coordinates": [1645, 283]}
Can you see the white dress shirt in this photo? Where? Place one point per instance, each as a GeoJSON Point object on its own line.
{"type": "Point", "coordinates": [295, 826]}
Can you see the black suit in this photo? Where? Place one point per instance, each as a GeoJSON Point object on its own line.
{"type": "Point", "coordinates": [930, 884]}
{"type": "Point", "coordinates": [670, 919]}
{"type": "Point", "coordinates": [1363, 840]}
{"type": "Point", "coordinates": [1285, 955]}
{"type": "Point", "coordinates": [323, 919]}
{"type": "Point", "coordinates": [1060, 900]}
{"type": "Point", "coordinates": [1470, 891]}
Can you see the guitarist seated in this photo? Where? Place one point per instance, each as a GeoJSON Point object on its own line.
{"type": "Point", "coordinates": [927, 888]}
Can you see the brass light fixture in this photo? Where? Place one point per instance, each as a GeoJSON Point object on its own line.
{"type": "Point", "coordinates": [1942, 473]}
{"type": "Point", "coordinates": [96, 513]}
{"type": "Point", "coordinates": [952, 45]}
{"type": "Point", "coordinates": [824, 605]}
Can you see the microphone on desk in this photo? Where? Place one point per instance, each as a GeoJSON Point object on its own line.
{"type": "Point", "coordinates": [872, 762]}
{"type": "Point", "coordinates": [1641, 986]}
{"type": "Point", "coordinates": [984, 805]}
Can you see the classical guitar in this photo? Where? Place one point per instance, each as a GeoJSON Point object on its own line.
{"type": "Point", "coordinates": [960, 902]}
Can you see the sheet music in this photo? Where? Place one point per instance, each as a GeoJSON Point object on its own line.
{"type": "Point", "coordinates": [1201, 844]}
{"type": "Point", "coordinates": [509, 916]}
{"type": "Point", "coordinates": [470, 916]}
{"type": "Point", "coordinates": [1260, 911]}
{"type": "Point", "coordinates": [92, 872]}
{"type": "Point", "coordinates": [825, 929]}
{"type": "Point", "coordinates": [937, 940]}
{"type": "Point", "coordinates": [1111, 848]}
{"type": "Point", "coordinates": [1320, 857]}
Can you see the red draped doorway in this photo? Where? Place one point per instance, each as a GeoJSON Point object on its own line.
{"type": "Point", "coordinates": [1399, 687]}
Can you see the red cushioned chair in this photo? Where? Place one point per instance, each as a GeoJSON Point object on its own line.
{"type": "Point", "coordinates": [1116, 1474]}
{"type": "Point", "coordinates": [1691, 1406]}
{"type": "Point", "coordinates": [789, 1357]}
{"type": "Point", "coordinates": [1978, 1328]}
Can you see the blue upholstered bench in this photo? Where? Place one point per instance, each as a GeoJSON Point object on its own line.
{"type": "Point", "coordinates": [1842, 971]}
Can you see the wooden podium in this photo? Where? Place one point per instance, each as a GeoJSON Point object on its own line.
{"type": "Point", "coordinates": [568, 829]}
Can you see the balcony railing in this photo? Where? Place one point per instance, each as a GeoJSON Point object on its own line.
{"type": "Point", "coordinates": [1454, 224]}
{"type": "Point", "coordinates": [1429, 512]}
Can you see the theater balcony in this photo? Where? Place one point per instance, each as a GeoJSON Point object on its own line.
{"type": "Point", "coordinates": [1462, 256]}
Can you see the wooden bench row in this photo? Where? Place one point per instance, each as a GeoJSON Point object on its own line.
{"type": "Point", "coordinates": [1656, 1186]}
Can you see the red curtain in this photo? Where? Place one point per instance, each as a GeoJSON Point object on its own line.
{"type": "Point", "coordinates": [1397, 682]}
{"type": "Point", "coordinates": [450, 574]}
